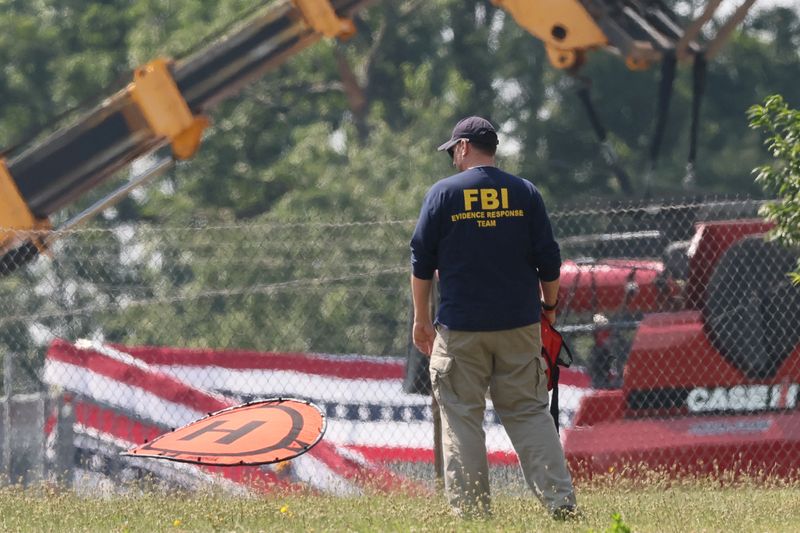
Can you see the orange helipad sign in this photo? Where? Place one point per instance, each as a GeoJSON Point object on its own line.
{"type": "Point", "coordinates": [256, 433]}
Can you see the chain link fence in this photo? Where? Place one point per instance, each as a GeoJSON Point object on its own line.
{"type": "Point", "coordinates": [685, 328]}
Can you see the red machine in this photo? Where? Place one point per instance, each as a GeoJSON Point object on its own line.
{"type": "Point", "coordinates": [710, 386]}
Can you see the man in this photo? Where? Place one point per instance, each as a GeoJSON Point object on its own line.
{"type": "Point", "coordinates": [488, 235]}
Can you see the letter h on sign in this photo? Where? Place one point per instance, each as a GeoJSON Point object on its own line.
{"type": "Point", "coordinates": [232, 434]}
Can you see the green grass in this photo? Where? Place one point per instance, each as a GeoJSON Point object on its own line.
{"type": "Point", "coordinates": [661, 506]}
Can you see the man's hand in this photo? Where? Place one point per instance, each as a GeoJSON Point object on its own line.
{"type": "Point", "coordinates": [423, 333]}
{"type": "Point", "coordinates": [550, 315]}
{"type": "Point", "coordinates": [423, 336]}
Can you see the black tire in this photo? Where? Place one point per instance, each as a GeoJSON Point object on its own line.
{"type": "Point", "coordinates": [751, 309]}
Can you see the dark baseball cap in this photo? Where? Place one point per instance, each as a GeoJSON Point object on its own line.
{"type": "Point", "coordinates": [475, 129]}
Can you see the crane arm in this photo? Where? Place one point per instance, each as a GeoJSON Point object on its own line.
{"type": "Point", "coordinates": [163, 105]}
{"type": "Point", "coordinates": [641, 31]}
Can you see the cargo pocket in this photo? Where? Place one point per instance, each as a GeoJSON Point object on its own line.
{"type": "Point", "coordinates": [441, 365]}
{"type": "Point", "coordinates": [541, 375]}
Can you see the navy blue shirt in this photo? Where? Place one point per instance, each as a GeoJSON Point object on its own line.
{"type": "Point", "coordinates": [487, 233]}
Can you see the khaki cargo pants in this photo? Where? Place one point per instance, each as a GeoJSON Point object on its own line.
{"type": "Point", "coordinates": [463, 365]}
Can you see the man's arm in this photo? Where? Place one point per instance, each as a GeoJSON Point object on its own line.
{"type": "Point", "coordinates": [550, 298]}
{"type": "Point", "coordinates": [423, 333]}
{"type": "Point", "coordinates": [424, 252]}
{"type": "Point", "coordinates": [547, 256]}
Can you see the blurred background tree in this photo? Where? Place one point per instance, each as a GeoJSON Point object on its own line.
{"type": "Point", "coordinates": [351, 127]}
{"type": "Point", "coordinates": [345, 131]}
{"type": "Point", "coordinates": [781, 125]}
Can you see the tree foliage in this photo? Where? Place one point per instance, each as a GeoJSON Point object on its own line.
{"type": "Point", "coordinates": [343, 132]}
{"type": "Point", "coordinates": [389, 96]}
{"type": "Point", "coordinates": [781, 125]}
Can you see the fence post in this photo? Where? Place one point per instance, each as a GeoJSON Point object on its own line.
{"type": "Point", "coordinates": [438, 458]}
{"type": "Point", "coordinates": [26, 438]}
{"type": "Point", "coordinates": [64, 461]}
{"type": "Point", "coordinates": [5, 457]}
{"type": "Point", "coordinates": [23, 431]}
{"type": "Point", "coordinates": [438, 453]}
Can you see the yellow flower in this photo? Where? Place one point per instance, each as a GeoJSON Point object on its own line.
{"type": "Point", "coordinates": [177, 522]}
{"type": "Point", "coordinates": [284, 509]}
